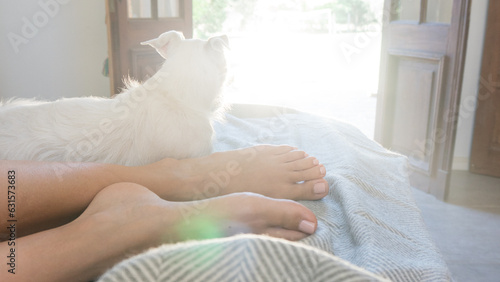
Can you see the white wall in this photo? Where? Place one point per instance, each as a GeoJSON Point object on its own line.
{"type": "Point", "coordinates": [60, 52]}
{"type": "Point", "coordinates": [470, 84]}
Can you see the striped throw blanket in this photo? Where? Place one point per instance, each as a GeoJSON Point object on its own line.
{"type": "Point", "coordinates": [369, 227]}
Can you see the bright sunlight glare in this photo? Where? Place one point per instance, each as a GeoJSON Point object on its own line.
{"type": "Point", "coordinates": [309, 55]}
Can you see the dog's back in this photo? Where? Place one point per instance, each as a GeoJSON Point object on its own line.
{"type": "Point", "coordinates": [169, 115]}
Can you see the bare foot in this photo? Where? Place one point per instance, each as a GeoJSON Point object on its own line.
{"type": "Point", "coordinates": [281, 172]}
{"type": "Point", "coordinates": [124, 219]}
{"type": "Point", "coordinates": [126, 204]}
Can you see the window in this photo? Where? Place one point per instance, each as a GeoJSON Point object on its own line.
{"type": "Point", "coordinates": [147, 9]}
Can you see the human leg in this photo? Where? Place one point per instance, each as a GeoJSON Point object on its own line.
{"type": "Point", "coordinates": [126, 218]}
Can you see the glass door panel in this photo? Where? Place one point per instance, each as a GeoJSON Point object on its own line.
{"type": "Point", "coordinates": [439, 11]}
{"type": "Point", "coordinates": [139, 9]}
{"type": "Point", "coordinates": [406, 10]}
{"type": "Point", "coordinates": [168, 8]}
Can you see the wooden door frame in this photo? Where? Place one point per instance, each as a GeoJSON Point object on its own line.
{"type": "Point", "coordinates": [113, 49]}
{"type": "Point", "coordinates": [460, 33]}
{"type": "Point", "coordinates": [444, 139]}
{"type": "Point", "coordinates": [482, 154]}
{"type": "Point", "coordinates": [123, 31]}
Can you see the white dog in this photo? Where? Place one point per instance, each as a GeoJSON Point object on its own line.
{"type": "Point", "coordinates": [169, 115]}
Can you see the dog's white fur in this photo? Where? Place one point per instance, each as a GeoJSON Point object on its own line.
{"type": "Point", "coordinates": [169, 115]}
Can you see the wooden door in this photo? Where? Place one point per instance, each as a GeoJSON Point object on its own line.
{"type": "Point", "coordinates": [133, 21]}
{"type": "Point", "coordinates": [423, 53]}
{"type": "Point", "coordinates": [485, 150]}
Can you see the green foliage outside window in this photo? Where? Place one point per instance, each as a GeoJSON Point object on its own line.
{"type": "Point", "coordinates": [209, 16]}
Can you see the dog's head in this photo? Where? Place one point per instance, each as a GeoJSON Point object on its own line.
{"type": "Point", "coordinates": [192, 66]}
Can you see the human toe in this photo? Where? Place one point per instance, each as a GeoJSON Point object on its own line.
{"type": "Point", "coordinates": [291, 235]}
{"type": "Point", "coordinates": [312, 173]}
{"type": "Point", "coordinates": [303, 164]}
{"type": "Point", "coordinates": [275, 149]}
{"type": "Point", "coordinates": [310, 190]}
{"type": "Point", "coordinates": [293, 156]}
{"type": "Point", "coordinates": [292, 216]}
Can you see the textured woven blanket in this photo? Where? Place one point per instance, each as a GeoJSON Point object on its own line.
{"type": "Point", "coordinates": [369, 220]}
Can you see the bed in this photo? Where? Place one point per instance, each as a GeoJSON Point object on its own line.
{"type": "Point", "coordinates": [369, 227]}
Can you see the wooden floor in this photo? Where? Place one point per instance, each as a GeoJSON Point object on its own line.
{"type": "Point", "coordinates": [467, 227]}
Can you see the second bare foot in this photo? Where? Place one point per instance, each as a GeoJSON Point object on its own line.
{"type": "Point", "coordinates": [281, 172]}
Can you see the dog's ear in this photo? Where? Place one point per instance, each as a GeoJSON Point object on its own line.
{"type": "Point", "coordinates": [165, 42]}
{"type": "Point", "coordinates": [218, 43]}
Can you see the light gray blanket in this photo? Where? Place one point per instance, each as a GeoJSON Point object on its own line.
{"type": "Point", "coordinates": [369, 219]}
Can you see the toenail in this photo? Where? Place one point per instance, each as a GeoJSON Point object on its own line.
{"type": "Point", "coordinates": [319, 188]}
{"type": "Point", "coordinates": [322, 170]}
{"type": "Point", "coordinates": [315, 162]}
{"type": "Point", "coordinates": [306, 227]}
